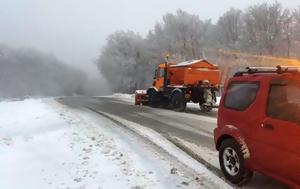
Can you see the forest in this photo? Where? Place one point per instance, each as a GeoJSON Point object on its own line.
{"type": "Point", "coordinates": [254, 36]}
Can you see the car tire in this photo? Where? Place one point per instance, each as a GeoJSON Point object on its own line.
{"type": "Point", "coordinates": [232, 162]}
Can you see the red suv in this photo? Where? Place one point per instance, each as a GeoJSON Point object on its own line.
{"type": "Point", "coordinates": [259, 125]}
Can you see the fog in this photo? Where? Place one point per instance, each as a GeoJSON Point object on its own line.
{"type": "Point", "coordinates": [75, 31]}
{"type": "Point", "coordinates": [26, 72]}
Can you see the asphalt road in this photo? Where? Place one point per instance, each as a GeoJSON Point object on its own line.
{"type": "Point", "coordinates": [192, 125]}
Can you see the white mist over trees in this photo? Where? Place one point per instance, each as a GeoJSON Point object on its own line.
{"type": "Point", "coordinates": [264, 28]}
{"type": "Point", "coordinates": [125, 61]}
{"type": "Point", "coordinates": [128, 60]}
{"type": "Point", "coordinates": [27, 72]}
{"type": "Point", "coordinates": [229, 29]}
{"type": "Point", "coordinates": [182, 34]}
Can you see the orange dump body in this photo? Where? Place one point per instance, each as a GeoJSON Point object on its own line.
{"type": "Point", "coordinates": [193, 72]}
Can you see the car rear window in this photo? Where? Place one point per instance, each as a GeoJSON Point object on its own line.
{"type": "Point", "coordinates": [240, 95]}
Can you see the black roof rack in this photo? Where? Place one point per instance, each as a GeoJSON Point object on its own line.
{"type": "Point", "coordinates": [277, 69]}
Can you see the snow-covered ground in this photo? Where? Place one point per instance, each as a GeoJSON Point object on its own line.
{"type": "Point", "coordinates": [44, 144]}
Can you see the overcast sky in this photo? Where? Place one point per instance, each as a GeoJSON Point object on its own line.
{"type": "Point", "coordinates": [75, 30]}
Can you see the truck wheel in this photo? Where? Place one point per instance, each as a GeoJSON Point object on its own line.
{"type": "Point", "coordinates": [152, 98]}
{"type": "Point", "coordinates": [177, 102]}
{"type": "Point", "coordinates": [232, 162]}
{"type": "Point", "coordinates": [204, 108]}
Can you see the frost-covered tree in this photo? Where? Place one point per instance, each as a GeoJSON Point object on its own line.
{"type": "Point", "coordinates": [181, 34]}
{"type": "Point", "coordinates": [263, 27]}
{"type": "Point", "coordinates": [285, 44]}
{"type": "Point", "coordinates": [296, 15]}
{"type": "Point", "coordinates": [296, 33]}
{"type": "Point", "coordinates": [123, 61]}
{"type": "Point", "coordinates": [229, 27]}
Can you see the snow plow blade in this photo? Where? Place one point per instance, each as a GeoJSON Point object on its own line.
{"type": "Point", "coordinates": [141, 97]}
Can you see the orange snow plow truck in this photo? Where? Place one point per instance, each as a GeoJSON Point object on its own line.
{"type": "Point", "coordinates": [175, 85]}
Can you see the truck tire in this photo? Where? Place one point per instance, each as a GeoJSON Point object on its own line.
{"type": "Point", "coordinates": [152, 98]}
{"type": "Point", "coordinates": [232, 162]}
{"type": "Point", "coordinates": [178, 102]}
{"type": "Point", "coordinates": [204, 108]}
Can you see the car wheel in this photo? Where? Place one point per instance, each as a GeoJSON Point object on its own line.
{"type": "Point", "coordinates": [232, 162]}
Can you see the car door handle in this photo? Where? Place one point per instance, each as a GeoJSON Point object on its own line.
{"type": "Point", "coordinates": [267, 126]}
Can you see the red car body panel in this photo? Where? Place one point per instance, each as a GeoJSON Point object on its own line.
{"type": "Point", "coordinates": [273, 145]}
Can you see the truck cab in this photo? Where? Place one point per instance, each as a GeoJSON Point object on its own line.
{"type": "Point", "coordinates": [158, 79]}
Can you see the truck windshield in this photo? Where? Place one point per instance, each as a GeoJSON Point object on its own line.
{"type": "Point", "coordinates": [284, 102]}
{"type": "Point", "coordinates": [161, 72]}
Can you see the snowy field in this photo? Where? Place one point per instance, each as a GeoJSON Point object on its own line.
{"type": "Point", "coordinates": [44, 144]}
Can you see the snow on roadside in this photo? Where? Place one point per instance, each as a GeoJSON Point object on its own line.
{"type": "Point", "coordinates": [27, 130]}
{"type": "Point", "coordinates": [40, 148]}
{"type": "Point", "coordinates": [208, 177]}
{"type": "Point", "coordinates": [124, 97]}
{"type": "Point", "coordinates": [210, 156]}
{"type": "Point", "coordinates": [44, 144]}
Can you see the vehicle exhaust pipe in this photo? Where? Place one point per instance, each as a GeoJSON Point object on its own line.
{"type": "Point", "coordinates": [166, 74]}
